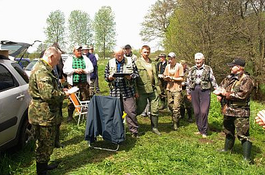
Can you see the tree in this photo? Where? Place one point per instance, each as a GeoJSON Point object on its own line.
{"type": "Point", "coordinates": [105, 31]}
{"type": "Point", "coordinates": [55, 30]}
{"type": "Point", "coordinates": [80, 30]}
{"type": "Point", "coordinates": [156, 21]}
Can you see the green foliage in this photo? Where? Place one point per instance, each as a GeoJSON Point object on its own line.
{"type": "Point", "coordinates": [79, 28]}
{"type": "Point", "coordinates": [175, 152]}
{"type": "Point", "coordinates": [105, 32]}
{"type": "Point", "coordinates": [55, 30]}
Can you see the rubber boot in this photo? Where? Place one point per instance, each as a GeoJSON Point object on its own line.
{"type": "Point", "coordinates": [175, 122]}
{"type": "Point", "coordinates": [70, 115]}
{"type": "Point", "coordinates": [57, 138]}
{"type": "Point", "coordinates": [41, 168]}
{"type": "Point", "coordinates": [182, 112]}
{"type": "Point", "coordinates": [189, 111]}
{"type": "Point", "coordinates": [154, 124]}
{"type": "Point", "coordinates": [229, 143]}
{"type": "Point", "coordinates": [52, 166]}
{"type": "Point", "coordinates": [246, 149]}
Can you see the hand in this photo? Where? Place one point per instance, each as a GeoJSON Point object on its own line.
{"type": "Point", "coordinates": [79, 71]}
{"type": "Point", "coordinates": [111, 77]}
{"type": "Point", "coordinates": [167, 79]}
{"type": "Point", "coordinates": [66, 92]}
{"type": "Point", "coordinates": [128, 77]}
{"type": "Point", "coordinates": [136, 95]}
{"type": "Point", "coordinates": [219, 98]}
{"type": "Point", "coordinates": [189, 97]}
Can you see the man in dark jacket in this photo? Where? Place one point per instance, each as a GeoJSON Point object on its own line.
{"type": "Point", "coordinates": [94, 74]}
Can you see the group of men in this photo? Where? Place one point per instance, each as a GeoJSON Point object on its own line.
{"type": "Point", "coordinates": [138, 81]}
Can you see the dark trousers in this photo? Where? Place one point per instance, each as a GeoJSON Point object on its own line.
{"type": "Point", "coordinates": [201, 103]}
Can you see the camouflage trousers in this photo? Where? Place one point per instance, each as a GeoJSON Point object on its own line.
{"type": "Point", "coordinates": [174, 101]}
{"type": "Point", "coordinates": [185, 102]}
{"type": "Point", "coordinates": [45, 140]}
{"type": "Point", "coordinates": [240, 124]}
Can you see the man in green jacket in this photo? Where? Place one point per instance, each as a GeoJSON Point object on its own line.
{"type": "Point", "coordinates": [44, 109]}
{"type": "Point", "coordinates": [147, 87]}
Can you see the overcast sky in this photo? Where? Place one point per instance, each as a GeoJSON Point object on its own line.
{"type": "Point", "coordinates": [24, 20]}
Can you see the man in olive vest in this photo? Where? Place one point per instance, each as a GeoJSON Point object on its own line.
{"type": "Point", "coordinates": [234, 95]}
{"type": "Point", "coordinates": [147, 87]}
{"type": "Point", "coordinates": [120, 73]}
{"type": "Point", "coordinates": [200, 81]}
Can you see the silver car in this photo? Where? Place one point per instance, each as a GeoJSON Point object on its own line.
{"type": "Point", "coordinates": [15, 129]}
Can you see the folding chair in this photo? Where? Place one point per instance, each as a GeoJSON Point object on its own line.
{"type": "Point", "coordinates": [81, 107]}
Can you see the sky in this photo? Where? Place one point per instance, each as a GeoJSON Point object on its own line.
{"type": "Point", "coordinates": [25, 20]}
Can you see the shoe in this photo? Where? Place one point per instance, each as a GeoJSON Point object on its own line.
{"type": "Point", "coordinates": [190, 120]}
{"type": "Point", "coordinates": [197, 133]}
{"type": "Point", "coordinates": [204, 136]}
{"type": "Point", "coordinates": [52, 166]}
{"type": "Point", "coordinates": [155, 130]}
{"type": "Point", "coordinates": [135, 136]}
{"type": "Point", "coordinates": [175, 126]}
{"type": "Point", "coordinates": [69, 119]}
{"type": "Point", "coordinates": [58, 145]}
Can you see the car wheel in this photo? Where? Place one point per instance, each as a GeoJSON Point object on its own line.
{"type": "Point", "coordinates": [27, 134]}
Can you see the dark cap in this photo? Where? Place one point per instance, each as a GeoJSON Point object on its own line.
{"type": "Point", "coordinates": [237, 62]}
{"type": "Point", "coordinates": [162, 55]}
{"type": "Point", "coordinates": [127, 46]}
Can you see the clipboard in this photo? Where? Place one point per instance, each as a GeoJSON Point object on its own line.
{"type": "Point", "coordinates": [121, 74]}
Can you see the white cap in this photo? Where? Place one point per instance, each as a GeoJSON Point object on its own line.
{"type": "Point", "coordinates": [199, 56]}
{"type": "Point", "coordinates": [172, 55]}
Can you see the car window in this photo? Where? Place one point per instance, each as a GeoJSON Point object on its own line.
{"type": "Point", "coordinates": [21, 72]}
{"type": "Point", "coordinates": [31, 65]}
{"type": "Point", "coordinates": [7, 81]}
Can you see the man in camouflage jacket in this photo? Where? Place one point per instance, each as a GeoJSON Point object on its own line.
{"type": "Point", "coordinates": [234, 95]}
{"type": "Point", "coordinates": [44, 109]}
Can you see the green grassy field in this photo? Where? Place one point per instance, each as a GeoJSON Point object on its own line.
{"type": "Point", "coordinates": [175, 152]}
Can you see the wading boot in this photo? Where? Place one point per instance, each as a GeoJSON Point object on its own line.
{"type": "Point", "coordinates": [189, 111]}
{"type": "Point", "coordinates": [182, 112]}
{"type": "Point", "coordinates": [229, 143]}
{"type": "Point", "coordinates": [175, 122]}
{"type": "Point", "coordinates": [246, 149]}
{"type": "Point", "coordinates": [57, 138]}
{"type": "Point", "coordinates": [154, 124]}
{"type": "Point", "coordinates": [41, 168]}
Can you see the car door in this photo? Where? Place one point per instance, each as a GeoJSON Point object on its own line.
{"type": "Point", "coordinates": [13, 103]}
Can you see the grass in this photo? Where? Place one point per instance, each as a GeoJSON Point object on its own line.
{"type": "Point", "coordinates": [175, 152]}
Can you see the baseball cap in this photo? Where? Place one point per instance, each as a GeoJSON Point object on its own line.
{"type": "Point", "coordinates": [162, 55]}
{"type": "Point", "coordinates": [237, 62]}
{"type": "Point", "coordinates": [85, 47]}
{"type": "Point", "coordinates": [171, 54]}
{"type": "Point", "coordinates": [127, 46]}
{"type": "Point", "coordinates": [76, 47]}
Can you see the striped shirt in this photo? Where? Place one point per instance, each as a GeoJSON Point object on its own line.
{"type": "Point", "coordinates": [119, 86]}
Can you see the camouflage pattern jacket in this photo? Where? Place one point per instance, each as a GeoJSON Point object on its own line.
{"type": "Point", "coordinates": [236, 103]}
{"type": "Point", "coordinates": [144, 84]}
{"type": "Point", "coordinates": [44, 109]}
